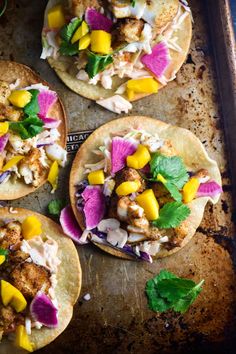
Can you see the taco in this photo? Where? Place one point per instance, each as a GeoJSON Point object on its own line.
{"type": "Point", "coordinates": [39, 287]}
{"type": "Point", "coordinates": [33, 130]}
{"type": "Point", "coordinates": [139, 186]}
{"type": "Point", "coordinates": [118, 51]}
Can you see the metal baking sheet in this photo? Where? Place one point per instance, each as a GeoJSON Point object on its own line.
{"type": "Point", "coordinates": [116, 319]}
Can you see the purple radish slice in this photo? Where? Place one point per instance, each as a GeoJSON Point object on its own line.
{"type": "Point", "coordinates": [4, 175]}
{"type": "Point", "coordinates": [49, 123]}
{"type": "Point", "coordinates": [46, 100]}
{"type": "Point", "coordinates": [3, 141]}
{"type": "Point", "coordinates": [120, 149]}
{"type": "Point", "coordinates": [69, 224]}
{"type": "Point", "coordinates": [43, 310]}
{"type": "Point", "coordinates": [209, 189]}
{"type": "Point", "coordinates": [94, 206]}
{"type": "Point", "coordinates": [98, 21]}
{"type": "Point", "coordinates": [158, 61]}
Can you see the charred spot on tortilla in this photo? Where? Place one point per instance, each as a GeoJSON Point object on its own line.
{"type": "Point", "coordinates": [38, 286]}
{"type": "Point", "coordinates": [156, 180]}
{"type": "Point", "coordinates": [116, 52]}
{"type": "Point", "coordinates": [33, 131]}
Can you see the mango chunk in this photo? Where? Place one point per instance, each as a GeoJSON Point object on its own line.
{"type": "Point", "coordinates": [81, 31]}
{"type": "Point", "coordinates": [31, 227]}
{"type": "Point", "coordinates": [84, 42]}
{"type": "Point", "coordinates": [22, 339]}
{"type": "Point", "coordinates": [146, 85]}
{"type": "Point", "coordinates": [56, 17]}
{"type": "Point", "coordinates": [4, 126]}
{"type": "Point", "coordinates": [53, 175]}
{"type": "Point", "coordinates": [2, 259]}
{"type": "Point", "coordinates": [20, 98]}
{"type": "Point", "coordinates": [100, 42]}
{"type": "Point", "coordinates": [130, 94]}
{"type": "Point", "coordinates": [96, 177]}
{"type": "Point", "coordinates": [127, 188]}
{"type": "Point", "coordinates": [140, 158]}
{"type": "Point", "coordinates": [190, 189]}
{"type": "Point", "coordinates": [12, 162]}
{"type": "Point", "coordinates": [148, 202]}
{"type": "Point", "coordinates": [11, 295]}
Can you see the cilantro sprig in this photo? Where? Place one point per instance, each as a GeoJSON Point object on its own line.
{"type": "Point", "coordinates": [166, 291]}
{"type": "Point", "coordinates": [97, 63]}
{"type": "Point", "coordinates": [66, 34]}
{"type": "Point", "coordinates": [171, 215]}
{"type": "Point", "coordinates": [171, 168]}
{"type": "Point", "coordinates": [133, 3]}
{"type": "Point", "coordinates": [55, 206]}
{"type": "Point", "coordinates": [31, 125]}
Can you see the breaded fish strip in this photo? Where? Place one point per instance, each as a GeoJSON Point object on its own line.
{"type": "Point", "coordinates": [4, 92]}
{"type": "Point", "coordinates": [78, 7]}
{"type": "Point", "coordinates": [29, 278]}
{"type": "Point", "coordinates": [10, 234]}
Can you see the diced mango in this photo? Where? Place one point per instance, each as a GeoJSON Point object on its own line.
{"type": "Point", "coordinates": [4, 126]}
{"type": "Point", "coordinates": [85, 41]}
{"type": "Point", "coordinates": [100, 42]}
{"type": "Point", "coordinates": [127, 188]}
{"type": "Point", "coordinates": [20, 98]}
{"type": "Point", "coordinates": [2, 259]}
{"type": "Point", "coordinates": [31, 227]}
{"type": "Point", "coordinates": [140, 158]}
{"type": "Point", "coordinates": [148, 202]}
{"type": "Point", "coordinates": [56, 17]}
{"type": "Point", "coordinates": [130, 94]}
{"type": "Point", "coordinates": [53, 175]}
{"type": "Point", "coordinates": [12, 162]}
{"type": "Point", "coordinates": [22, 339]}
{"type": "Point", "coordinates": [11, 295]}
{"type": "Point", "coordinates": [96, 177]}
{"type": "Point", "coordinates": [146, 85]}
{"type": "Point", "coordinates": [190, 189]}
{"type": "Point", "coordinates": [81, 31]}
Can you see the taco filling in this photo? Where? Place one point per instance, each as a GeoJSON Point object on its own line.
{"type": "Point", "coordinates": [127, 48]}
{"type": "Point", "coordinates": [29, 270]}
{"type": "Point", "coordinates": [30, 149]}
{"type": "Point", "coordinates": [138, 197]}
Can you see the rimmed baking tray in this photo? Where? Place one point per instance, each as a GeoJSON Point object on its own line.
{"type": "Point", "coordinates": [116, 319]}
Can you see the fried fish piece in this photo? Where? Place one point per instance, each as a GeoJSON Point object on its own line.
{"type": "Point", "coordinates": [78, 7]}
{"type": "Point", "coordinates": [130, 30]}
{"type": "Point", "coordinates": [4, 92]}
{"type": "Point", "coordinates": [130, 174]}
{"type": "Point", "coordinates": [9, 113]}
{"type": "Point", "coordinates": [29, 278]}
{"type": "Point", "coordinates": [10, 234]}
{"type": "Point", "coordinates": [31, 168]}
{"type": "Point", "coordinates": [158, 13]}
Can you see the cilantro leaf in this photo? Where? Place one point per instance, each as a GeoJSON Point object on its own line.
{"type": "Point", "coordinates": [32, 108]}
{"type": "Point", "coordinates": [97, 63]}
{"type": "Point", "coordinates": [167, 291]}
{"type": "Point", "coordinates": [55, 207]}
{"type": "Point", "coordinates": [3, 252]}
{"type": "Point", "coordinates": [68, 31]}
{"type": "Point", "coordinates": [133, 3]}
{"type": "Point", "coordinates": [173, 190]}
{"type": "Point", "coordinates": [69, 49]}
{"type": "Point", "coordinates": [28, 127]}
{"type": "Point", "coordinates": [171, 215]}
{"type": "Point", "coordinates": [171, 168]}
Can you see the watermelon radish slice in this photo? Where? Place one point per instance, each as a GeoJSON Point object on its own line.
{"type": "Point", "coordinates": [3, 141]}
{"type": "Point", "coordinates": [94, 207]}
{"type": "Point", "coordinates": [43, 310]}
{"type": "Point", "coordinates": [209, 189]}
{"type": "Point", "coordinates": [46, 100]}
{"type": "Point", "coordinates": [120, 149]}
{"type": "Point", "coordinates": [49, 123]}
{"type": "Point", "coordinates": [69, 224]}
{"type": "Point", "coordinates": [158, 61]}
{"type": "Point", "coordinates": [98, 21]}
